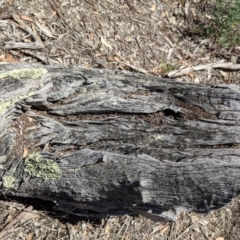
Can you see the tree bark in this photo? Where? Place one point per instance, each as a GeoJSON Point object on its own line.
{"type": "Point", "coordinates": [100, 142]}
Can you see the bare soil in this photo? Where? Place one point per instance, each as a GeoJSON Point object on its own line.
{"type": "Point", "coordinates": [150, 37]}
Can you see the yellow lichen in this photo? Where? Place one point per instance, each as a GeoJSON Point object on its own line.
{"type": "Point", "coordinates": [8, 181]}
{"type": "Point", "coordinates": [33, 73]}
{"type": "Point", "coordinates": [158, 137]}
{"type": "Point", "coordinates": [6, 104]}
{"type": "Point", "coordinates": [38, 166]}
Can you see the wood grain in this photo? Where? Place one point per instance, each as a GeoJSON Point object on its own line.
{"type": "Point", "coordinates": [124, 142]}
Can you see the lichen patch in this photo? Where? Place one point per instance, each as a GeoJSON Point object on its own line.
{"type": "Point", "coordinates": [38, 166]}
{"type": "Point", "coordinates": [6, 104]}
{"type": "Point", "coordinates": [33, 73]}
{"type": "Point", "coordinates": [8, 181]}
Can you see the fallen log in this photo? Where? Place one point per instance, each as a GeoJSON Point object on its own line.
{"type": "Point", "coordinates": [99, 142]}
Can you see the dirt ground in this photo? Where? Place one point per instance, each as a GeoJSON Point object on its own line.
{"type": "Point", "coordinates": [151, 37]}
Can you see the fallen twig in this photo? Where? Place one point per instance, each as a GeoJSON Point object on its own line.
{"type": "Point", "coordinates": [15, 220]}
{"type": "Point", "coordinates": [37, 44]}
{"type": "Point", "coordinates": [184, 71]}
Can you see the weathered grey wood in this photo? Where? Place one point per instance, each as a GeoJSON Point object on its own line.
{"type": "Point", "coordinates": [100, 142]}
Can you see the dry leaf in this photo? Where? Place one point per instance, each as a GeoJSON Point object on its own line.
{"type": "Point", "coordinates": [165, 14]}
{"type": "Point", "coordinates": [104, 42]}
{"type": "Point", "coordinates": [28, 216]}
{"type": "Point", "coordinates": [156, 229]}
{"type": "Point", "coordinates": [85, 40]}
{"type": "Point", "coordinates": [107, 229]}
{"type": "Point", "coordinates": [85, 233]}
{"type": "Point", "coordinates": [120, 66]}
{"type": "Point", "coordinates": [110, 58]}
{"type": "Point", "coordinates": [8, 58]}
{"type": "Point", "coordinates": [30, 119]}
{"type": "Point", "coordinates": [72, 228]}
{"type": "Point", "coordinates": [29, 236]}
{"type": "Point", "coordinates": [223, 73]}
{"type": "Point", "coordinates": [165, 229]}
{"type": "Point", "coordinates": [196, 80]}
{"type": "Point", "coordinates": [25, 152]}
{"type": "Point", "coordinates": [44, 29]}
{"type": "Point", "coordinates": [128, 39]}
{"type": "Point", "coordinates": [128, 237]}
{"type": "Point", "coordinates": [26, 18]}
{"type": "Point", "coordinates": [160, 228]}
{"type": "Point", "coordinates": [54, 13]}
{"type": "Point", "coordinates": [91, 36]}
{"type": "Point", "coordinates": [153, 8]}
{"type": "Point", "coordinates": [185, 63]}
{"type": "Point", "coordinates": [27, 40]}
{"type": "Point", "coordinates": [9, 218]}
{"type": "Point", "coordinates": [191, 74]}
{"type": "Point", "coordinates": [116, 58]}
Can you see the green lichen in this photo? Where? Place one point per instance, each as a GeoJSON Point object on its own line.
{"type": "Point", "coordinates": [38, 166]}
{"type": "Point", "coordinates": [6, 104]}
{"type": "Point", "coordinates": [3, 159]}
{"type": "Point", "coordinates": [8, 181]}
{"type": "Point", "coordinates": [33, 73]}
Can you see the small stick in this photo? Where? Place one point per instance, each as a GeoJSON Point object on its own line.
{"type": "Point", "coordinates": [15, 220]}
{"type": "Point", "coordinates": [227, 66]}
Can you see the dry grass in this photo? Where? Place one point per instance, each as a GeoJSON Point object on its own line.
{"type": "Point", "coordinates": [151, 37]}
